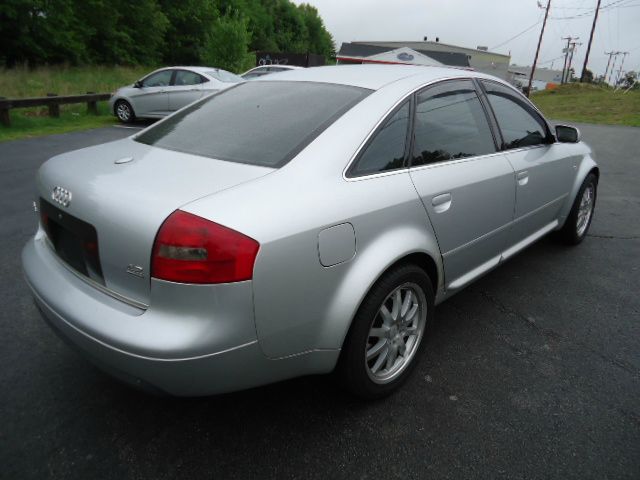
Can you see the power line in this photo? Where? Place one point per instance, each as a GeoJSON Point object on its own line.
{"type": "Point", "coordinates": [516, 36]}
{"type": "Point", "coordinates": [551, 60]}
{"type": "Point", "coordinates": [590, 12]}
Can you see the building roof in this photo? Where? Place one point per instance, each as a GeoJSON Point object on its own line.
{"type": "Point", "coordinates": [405, 56]}
{"type": "Point", "coordinates": [428, 45]}
{"type": "Point", "coordinates": [362, 50]}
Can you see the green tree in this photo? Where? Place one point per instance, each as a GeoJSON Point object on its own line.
{"type": "Point", "coordinates": [629, 80]}
{"type": "Point", "coordinates": [190, 22]}
{"type": "Point", "coordinates": [290, 28]}
{"type": "Point", "coordinates": [40, 31]}
{"type": "Point", "coordinates": [227, 43]}
{"type": "Point", "coordinates": [588, 76]}
{"type": "Point", "coordinates": [123, 32]}
{"type": "Point", "coordinates": [319, 40]}
{"type": "Point", "coordinates": [148, 32]}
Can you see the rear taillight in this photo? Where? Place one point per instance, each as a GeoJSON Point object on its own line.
{"type": "Point", "coordinates": [190, 249]}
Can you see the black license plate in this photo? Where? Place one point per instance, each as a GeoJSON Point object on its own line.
{"type": "Point", "coordinates": [74, 240]}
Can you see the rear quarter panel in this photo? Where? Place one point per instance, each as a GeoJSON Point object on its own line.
{"type": "Point", "coordinates": [301, 305]}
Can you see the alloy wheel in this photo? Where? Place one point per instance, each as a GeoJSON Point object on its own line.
{"type": "Point", "coordinates": [585, 210]}
{"type": "Point", "coordinates": [395, 333]}
{"type": "Point", "coordinates": [123, 111]}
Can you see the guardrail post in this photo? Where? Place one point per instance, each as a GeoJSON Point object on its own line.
{"type": "Point", "coordinates": [92, 106]}
{"type": "Point", "coordinates": [54, 107]}
{"type": "Point", "coordinates": [5, 119]}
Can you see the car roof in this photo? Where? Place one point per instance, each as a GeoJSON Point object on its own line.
{"type": "Point", "coordinates": [277, 65]}
{"type": "Point", "coordinates": [372, 76]}
{"type": "Point", "coordinates": [284, 67]}
{"type": "Point", "coordinates": [195, 69]}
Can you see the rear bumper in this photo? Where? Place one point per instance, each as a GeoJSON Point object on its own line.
{"type": "Point", "coordinates": [191, 340]}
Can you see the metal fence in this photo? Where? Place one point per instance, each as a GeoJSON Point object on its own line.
{"type": "Point", "coordinates": [53, 101]}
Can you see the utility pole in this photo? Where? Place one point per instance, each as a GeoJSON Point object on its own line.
{"type": "Point", "coordinates": [608, 63]}
{"type": "Point", "coordinates": [535, 60]}
{"type": "Point", "coordinates": [593, 29]}
{"type": "Point", "coordinates": [566, 55]}
{"type": "Point", "coordinates": [573, 49]}
{"type": "Point", "coordinates": [613, 66]}
{"type": "Point", "coordinates": [624, 54]}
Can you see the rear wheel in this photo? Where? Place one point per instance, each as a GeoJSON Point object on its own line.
{"type": "Point", "coordinates": [387, 333]}
{"type": "Point", "coordinates": [579, 219]}
{"type": "Point", "coordinates": [124, 111]}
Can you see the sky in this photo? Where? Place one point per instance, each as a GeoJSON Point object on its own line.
{"type": "Point", "coordinates": [469, 23]}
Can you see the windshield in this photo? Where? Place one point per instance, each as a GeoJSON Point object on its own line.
{"type": "Point", "coordinates": [259, 123]}
{"type": "Point", "coordinates": [224, 76]}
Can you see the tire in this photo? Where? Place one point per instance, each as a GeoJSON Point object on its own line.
{"type": "Point", "coordinates": [124, 111]}
{"type": "Point", "coordinates": [578, 222]}
{"type": "Point", "coordinates": [374, 332]}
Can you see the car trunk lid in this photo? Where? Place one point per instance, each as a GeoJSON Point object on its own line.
{"type": "Point", "coordinates": [120, 193]}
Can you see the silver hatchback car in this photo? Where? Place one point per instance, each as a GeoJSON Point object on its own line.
{"type": "Point", "coordinates": [166, 90]}
{"type": "Point", "coordinates": [312, 230]}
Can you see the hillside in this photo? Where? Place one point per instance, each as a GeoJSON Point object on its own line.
{"type": "Point", "coordinates": [588, 103]}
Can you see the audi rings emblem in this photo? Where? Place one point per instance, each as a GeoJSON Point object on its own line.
{"type": "Point", "coordinates": [61, 196]}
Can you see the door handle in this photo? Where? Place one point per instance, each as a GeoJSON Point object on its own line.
{"type": "Point", "coordinates": [523, 178]}
{"type": "Point", "coordinates": [441, 203]}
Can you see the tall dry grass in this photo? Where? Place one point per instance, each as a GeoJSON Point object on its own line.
{"type": "Point", "coordinates": [23, 82]}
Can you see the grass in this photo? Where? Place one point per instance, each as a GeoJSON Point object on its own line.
{"type": "Point", "coordinates": [27, 123]}
{"type": "Point", "coordinates": [588, 103]}
{"type": "Point", "coordinates": [30, 122]}
{"type": "Point", "coordinates": [21, 82]}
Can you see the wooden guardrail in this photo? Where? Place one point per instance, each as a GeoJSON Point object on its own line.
{"type": "Point", "coordinates": [53, 101]}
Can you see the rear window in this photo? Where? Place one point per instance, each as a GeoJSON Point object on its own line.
{"type": "Point", "coordinates": [259, 123]}
{"type": "Point", "coordinates": [224, 76]}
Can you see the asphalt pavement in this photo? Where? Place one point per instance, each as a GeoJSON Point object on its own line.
{"type": "Point", "coordinates": [532, 372]}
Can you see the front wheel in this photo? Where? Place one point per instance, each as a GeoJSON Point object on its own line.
{"type": "Point", "coordinates": [579, 220]}
{"type": "Point", "coordinates": [384, 341]}
{"type": "Point", "coordinates": [124, 111]}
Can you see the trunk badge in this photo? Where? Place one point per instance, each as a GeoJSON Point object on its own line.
{"type": "Point", "coordinates": [61, 196]}
{"type": "Point", "coordinates": [123, 160]}
{"type": "Point", "coordinates": [135, 270]}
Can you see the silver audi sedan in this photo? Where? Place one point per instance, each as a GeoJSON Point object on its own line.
{"type": "Point", "coordinates": [313, 230]}
{"type": "Point", "coordinates": [166, 90]}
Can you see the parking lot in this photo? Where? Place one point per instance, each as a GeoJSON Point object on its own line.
{"type": "Point", "coordinates": [531, 372]}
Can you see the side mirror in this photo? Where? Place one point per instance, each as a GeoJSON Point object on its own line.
{"type": "Point", "coordinates": [567, 134]}
{"type": "Point", "coordinates": [138, 84]}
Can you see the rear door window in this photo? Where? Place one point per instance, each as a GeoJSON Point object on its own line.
{"type": "Point", "coordinates": [185, 77]}
{"type": "Point", "coordinates": [450, 123]}
{"type": "Point", "coordinates": [160, 79]}
{"type": "Point", "coordinates": [260, 123]}
{"type": "Point", "coordinates": [225, 76]}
